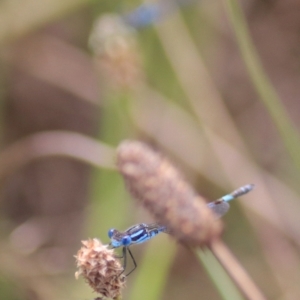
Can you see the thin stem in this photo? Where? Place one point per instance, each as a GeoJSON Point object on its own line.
{"type": "Point", "coordinates": [55, 143]}
{"type": "Point", "coordinates": [237, 273]}
{"type": "Point", "coordinates": [223, 283]}
{"type": "Point", "coordinates": [262, 83]}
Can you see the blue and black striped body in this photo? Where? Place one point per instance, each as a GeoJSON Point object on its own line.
{"type": "Point", "coordinates": [142, 232]}
{"type": "Point", "coordinates": [136, 234]}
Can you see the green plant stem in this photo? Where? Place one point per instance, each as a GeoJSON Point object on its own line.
{"type": "Point", "coordinates": [262, 83]}
{"type": "Point", "coordinates": [152, 272]}
{"type": "Point", "coordinates": [239, 276]}
{"type": "Point", "coordinates": [221, 280]}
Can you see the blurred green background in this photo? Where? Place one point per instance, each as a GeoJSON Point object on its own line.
{"type": "Point", "coordinates": [212, 84]}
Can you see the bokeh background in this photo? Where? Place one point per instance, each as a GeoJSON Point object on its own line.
{"type": "Point", "coordinates": [212, 84]}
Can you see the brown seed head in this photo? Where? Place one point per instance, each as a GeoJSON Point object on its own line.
{"type": "Point", "coordinates": [116, 51]}
{"type": "Point", "coordinates": [155, 182]}
{"type": "Point", "coordinates": [98, 265]}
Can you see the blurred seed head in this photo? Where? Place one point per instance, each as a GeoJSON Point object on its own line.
{"type": "Point", "coordinates": [115, 47]}
{"type": "Point", "coordinates": [100, 268]}
{"type": "Point", "coordinates": [159, 186]}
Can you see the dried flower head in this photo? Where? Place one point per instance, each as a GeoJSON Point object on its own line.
{"type": "Point", "coordinates": [155, 182]}
{"type": "Point", "coordinates": [98, 265]}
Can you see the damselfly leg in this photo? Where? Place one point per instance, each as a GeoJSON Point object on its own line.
{"type": "Point", "coordinates": [124, 256]}
{"type": "Point", "coordinates": [125, 260]}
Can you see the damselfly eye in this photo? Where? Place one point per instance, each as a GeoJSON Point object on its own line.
{"type": "Point", "coordinates": [126, 240]}
{"type": "Point", "coordinates": [111, 232]}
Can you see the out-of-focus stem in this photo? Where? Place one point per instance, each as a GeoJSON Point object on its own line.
{"type": "Point", "coordinates": [18, 18]}
{"type": "Point", "coordinates": [236, 271]}
{"type": "Point", "coordinates": [261, 82]}
{"type": "Point", "coordinates": [55, 143]}
{"type": "Point", "coordinates": [222, 281]}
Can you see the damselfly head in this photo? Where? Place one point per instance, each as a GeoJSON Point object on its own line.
{"type": "Point", "coordinates": [118, 239]}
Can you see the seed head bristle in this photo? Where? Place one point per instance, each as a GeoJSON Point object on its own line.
{"type": "Point", "coordinates": [100, 268]}
{"type": "Point", "coordinates": [159, 186]}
